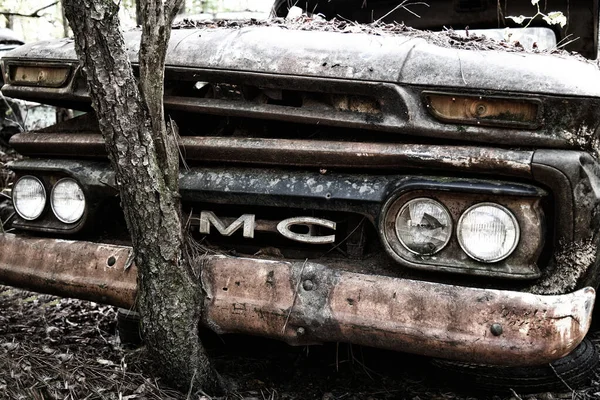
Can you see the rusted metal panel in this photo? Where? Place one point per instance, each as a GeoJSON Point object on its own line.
{"type": "Point", "coordinates": [349, 154]}
{"type": "Point", "coordinates": [389, 120]}
{"type": "Point", "coordinates": [89, 145]}
{"type": "Point", "coordinates": [306, 302]}
{"type": "Point", "coordinates": [359, 56]}
{"type": "Point", "coordinates": [68, 268]}
{"type": "Point", "coordinates": [308, 153]}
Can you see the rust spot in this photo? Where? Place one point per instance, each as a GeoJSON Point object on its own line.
{"type": "Point", "coordinates": [270, 280]}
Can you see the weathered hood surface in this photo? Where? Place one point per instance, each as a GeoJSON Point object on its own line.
{"type": "Point", "coordinates": [359, 56]}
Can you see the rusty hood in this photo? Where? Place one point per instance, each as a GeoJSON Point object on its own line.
{"type": "Point", "coordinates": [402, 59]}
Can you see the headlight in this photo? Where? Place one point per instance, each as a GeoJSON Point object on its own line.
{"type": "Point", "coordinates": [29, 197]}
{"type": "Point", "coordinates": [488, 232]}
{"type": "Point", "coordinates": [423, 226]}
{"type": "Point", "coordinates": [67, 201]}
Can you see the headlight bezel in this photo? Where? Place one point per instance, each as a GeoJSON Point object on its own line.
{"type": "Point", "coordinates": [52, 205]}
{"type": "Point", "coordinates": [47, 221]}
{"type": "Point", "coordinates": [45, 200]}
{"type": "Point", "coordinates": [526, 204]}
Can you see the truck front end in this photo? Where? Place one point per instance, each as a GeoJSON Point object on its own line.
{"type": "Point", "coordinates": [385, 190]}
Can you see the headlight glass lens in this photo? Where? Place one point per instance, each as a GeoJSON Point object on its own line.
{"type": "Point", "coordinates": [488, 232]}
{"type": "Point", "coordinates": [67, 201]}
{"type": "Point", "coordinates": [29, 197]}
{"type": "Point", "coordinates": [423, 226]}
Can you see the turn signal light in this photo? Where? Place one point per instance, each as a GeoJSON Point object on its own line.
{"type": "Point", "coordinates": [46, 76]}
{"type": "Point", "coordinates": [484, 110]}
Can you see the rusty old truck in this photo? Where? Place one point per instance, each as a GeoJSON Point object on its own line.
{"type": "Point", "coordinates": [427, 192]}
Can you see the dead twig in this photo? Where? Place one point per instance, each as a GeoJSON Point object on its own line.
{"type": "Point", "coordinates": [561, 379]}
{"type": "Point", "coordinates": [34, 14]}
{"type": "Point", "coordinates": [405, 6]}
{"type": "Point", "coordinates": [515, 394]}
{"type": "Point", "coordinates": [344, 239]}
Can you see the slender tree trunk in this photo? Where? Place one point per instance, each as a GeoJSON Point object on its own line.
{"type": "Point", "coordinates": [138, 12]}
{"type": "Point", "coordinates": [63, 18]}
{"type": "Point", "coordinates": [143, 153]}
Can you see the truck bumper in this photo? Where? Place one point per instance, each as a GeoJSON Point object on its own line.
{"type": "Point", "coordinates": [307, 302]}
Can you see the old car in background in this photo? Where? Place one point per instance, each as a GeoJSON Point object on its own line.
{"type": "Point", "coordinates": [433, 193]}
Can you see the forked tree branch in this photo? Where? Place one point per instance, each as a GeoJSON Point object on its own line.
{"type": "Point", "coordinates": [34, 14]}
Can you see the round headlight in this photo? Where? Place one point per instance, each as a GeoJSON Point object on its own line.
{"type": "Point", "coordinates": [67, 201]}
{"type": "Point", "coordinates": [29, 197]}
{"type": "Point", "coordinates": [423, 226]}
{"type": "Point", "coordinates": [488, 232]}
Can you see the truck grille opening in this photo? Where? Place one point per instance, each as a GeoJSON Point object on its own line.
{"type": "Point", "coordinates": [354, 234]}
{"type": "Point", "coordinates": [200, 95]}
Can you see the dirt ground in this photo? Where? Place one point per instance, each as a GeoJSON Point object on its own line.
{"type": "Point", "coordinates": [55, 348]}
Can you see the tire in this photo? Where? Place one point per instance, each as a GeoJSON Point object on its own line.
{"type": "Point", "coordinates": [564, 374]}
{"type": "Point", "coordinates": [280, 8]}
{"type": "Point", "coordinates": [128, 327]}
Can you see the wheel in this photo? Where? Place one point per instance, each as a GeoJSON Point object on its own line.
{"type": "Point", "coordinates": [128, 327]}
{"type": "Point", "coordinates": [569, 372]}
{"type": "Point", "coordinates": [280, 8]}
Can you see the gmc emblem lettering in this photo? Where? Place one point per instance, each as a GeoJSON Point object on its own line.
{"type": "Point", "coordinates": [247, 223]}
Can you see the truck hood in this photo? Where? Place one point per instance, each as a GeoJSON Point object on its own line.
{"type": "Point", "coordinates": [402, 59]}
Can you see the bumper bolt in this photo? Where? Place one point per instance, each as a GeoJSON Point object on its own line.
{"type": "Point", "coordinates": [308, 285]}
{"type": "Point", "coordinates": [496, 329]}
{"type": "Point", "coordinates": [300, 331]}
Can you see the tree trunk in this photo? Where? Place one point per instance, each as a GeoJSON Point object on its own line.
{"type": "Point", "coordinates": [63, 18]}
{"type": "Point", "coordinates": [144, 155]}
{"type": "Point", "coordinates": [138, 13]}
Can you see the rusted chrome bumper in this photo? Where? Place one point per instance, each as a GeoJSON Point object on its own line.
{"type": "Point", "coordinates": [78, 269]}
{"type": "Point", "coordinates": [307, 302]}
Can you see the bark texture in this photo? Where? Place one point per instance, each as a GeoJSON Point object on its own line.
{"type": "Point", "coordinates": [143, 153]}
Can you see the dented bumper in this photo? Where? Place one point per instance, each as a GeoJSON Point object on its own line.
{"type": "Point", "coordinates": [307, 302]}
